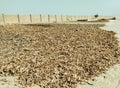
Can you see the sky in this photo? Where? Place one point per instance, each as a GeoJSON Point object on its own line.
{"type": "Point", "coordinates": [61, 7]}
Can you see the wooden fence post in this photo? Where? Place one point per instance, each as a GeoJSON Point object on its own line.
{"type": "Point", "coordinates": [48, 18]}
{"type": "Point", "coordinates": [30, 18]}
{"type": "Point", "coordinates": [61, 18]}
{"type": "Point", "coordinates": [75, 18]}
{"type": "Point", "coordinates": [55, 18]}
{"type": "Point", "coordinates": [40, 18]}
{"type": "Point", "coordinates": [18, 18]}
{"type": "Point", "coordinates": [3, 16]}
{"type": "Point", "coordinates": [67, 18]}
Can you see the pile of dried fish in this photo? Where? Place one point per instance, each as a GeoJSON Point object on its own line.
{"type": "Point", "coordinates": [56, 56]}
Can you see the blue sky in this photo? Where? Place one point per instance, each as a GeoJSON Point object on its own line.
{"type": "Point", "coordinates": [65, 7]}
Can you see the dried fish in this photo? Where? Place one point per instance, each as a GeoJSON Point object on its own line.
{"type": "Point", "coordinates": [56, 55]}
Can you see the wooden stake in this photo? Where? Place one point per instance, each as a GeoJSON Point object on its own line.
{"type": "Point", "coordinates": [55, 18]}
{"type": "Point", "coordinates": [30, 18]}
{"type": "Point", "coordinates": [40, 18]}
{"type": "Point", "coordinates": [18, 18]}
{"type": "Point", "coordinates": [48, 18]}
{"type": "Point", "coordinates": [3, 16]}
{"type": "Point", "coordinates": [61, 18]}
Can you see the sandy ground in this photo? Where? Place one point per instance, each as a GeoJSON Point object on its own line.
{"type": "Point", "coordinates": [111, 79]}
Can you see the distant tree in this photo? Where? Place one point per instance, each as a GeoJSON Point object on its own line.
{"type": "Point", "coordinates": [114, 18]}
{"type": "Point", "coordinates": [96, 15]}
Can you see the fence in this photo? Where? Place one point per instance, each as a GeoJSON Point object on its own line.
{"type": "Point", "coordinates": [28, 19]}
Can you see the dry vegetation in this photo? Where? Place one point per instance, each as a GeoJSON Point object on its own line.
{"type": "Point", "coordinates": [56, 56]}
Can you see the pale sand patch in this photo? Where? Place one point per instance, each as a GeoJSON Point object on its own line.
{"type": "Point", "coordinates": [11, 82]}
{"type": "Point", "coordinates": [8, 82]}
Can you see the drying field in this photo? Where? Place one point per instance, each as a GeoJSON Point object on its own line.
{"type": "Point", "coordinates": [56, 55]}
